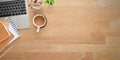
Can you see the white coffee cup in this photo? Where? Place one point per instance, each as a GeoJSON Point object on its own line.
{"type": "Point", "coordinates": [36, 23]}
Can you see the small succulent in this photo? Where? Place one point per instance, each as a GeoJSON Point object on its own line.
{"type": "Point", "coordinates": [50, 2]}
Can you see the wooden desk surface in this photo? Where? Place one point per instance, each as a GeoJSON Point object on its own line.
{"type": "Point", "coordinates": [76, 30]}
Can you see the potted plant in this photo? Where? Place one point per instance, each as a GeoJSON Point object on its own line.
{"type": "Point", "coordinates": [50, 2]}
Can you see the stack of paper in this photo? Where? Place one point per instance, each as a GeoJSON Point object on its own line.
{"type": "Point", "coordinates": [8, 34]}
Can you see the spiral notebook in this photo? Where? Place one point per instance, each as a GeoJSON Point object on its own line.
{"type": "Point", "coordinates": [13, 30]}
{"type": "Point", "coordinates": [14, 35]}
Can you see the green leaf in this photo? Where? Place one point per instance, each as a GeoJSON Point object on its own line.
{"type": "Point", "coordinates": [50, 2]}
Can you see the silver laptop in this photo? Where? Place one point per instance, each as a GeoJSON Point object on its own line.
{"type": "Point", "coordinates": [17, 11]}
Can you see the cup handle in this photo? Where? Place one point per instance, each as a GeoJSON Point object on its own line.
{"type": "Point", "coordinates": [38, 29]}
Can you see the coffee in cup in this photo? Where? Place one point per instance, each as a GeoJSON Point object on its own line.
{"type": "Point", "coordinates": [39, 21]}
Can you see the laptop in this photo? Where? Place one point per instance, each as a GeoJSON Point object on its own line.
{"type": "Point", "coordinates": [17, 11]}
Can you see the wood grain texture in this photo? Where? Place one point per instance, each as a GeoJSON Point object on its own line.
{"type": "Point", "coordinates": [76, 30]}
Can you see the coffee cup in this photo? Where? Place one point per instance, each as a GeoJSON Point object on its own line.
{"type": "Point", "coordinates": [39, 21]}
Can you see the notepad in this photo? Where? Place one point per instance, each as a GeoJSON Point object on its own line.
{"type": "Point", "coordinates": [14, 34]}
{"type": "Point", "coordinates": [4, 34]}
{"type": "Point", "coordinates": [5, 43]}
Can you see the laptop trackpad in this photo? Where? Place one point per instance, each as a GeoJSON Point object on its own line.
{"type": "Point", "coordinates": [21, 21]}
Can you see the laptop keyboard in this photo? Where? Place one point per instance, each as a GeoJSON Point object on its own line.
{"type": "Point", "coordinates": [12, 8]}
